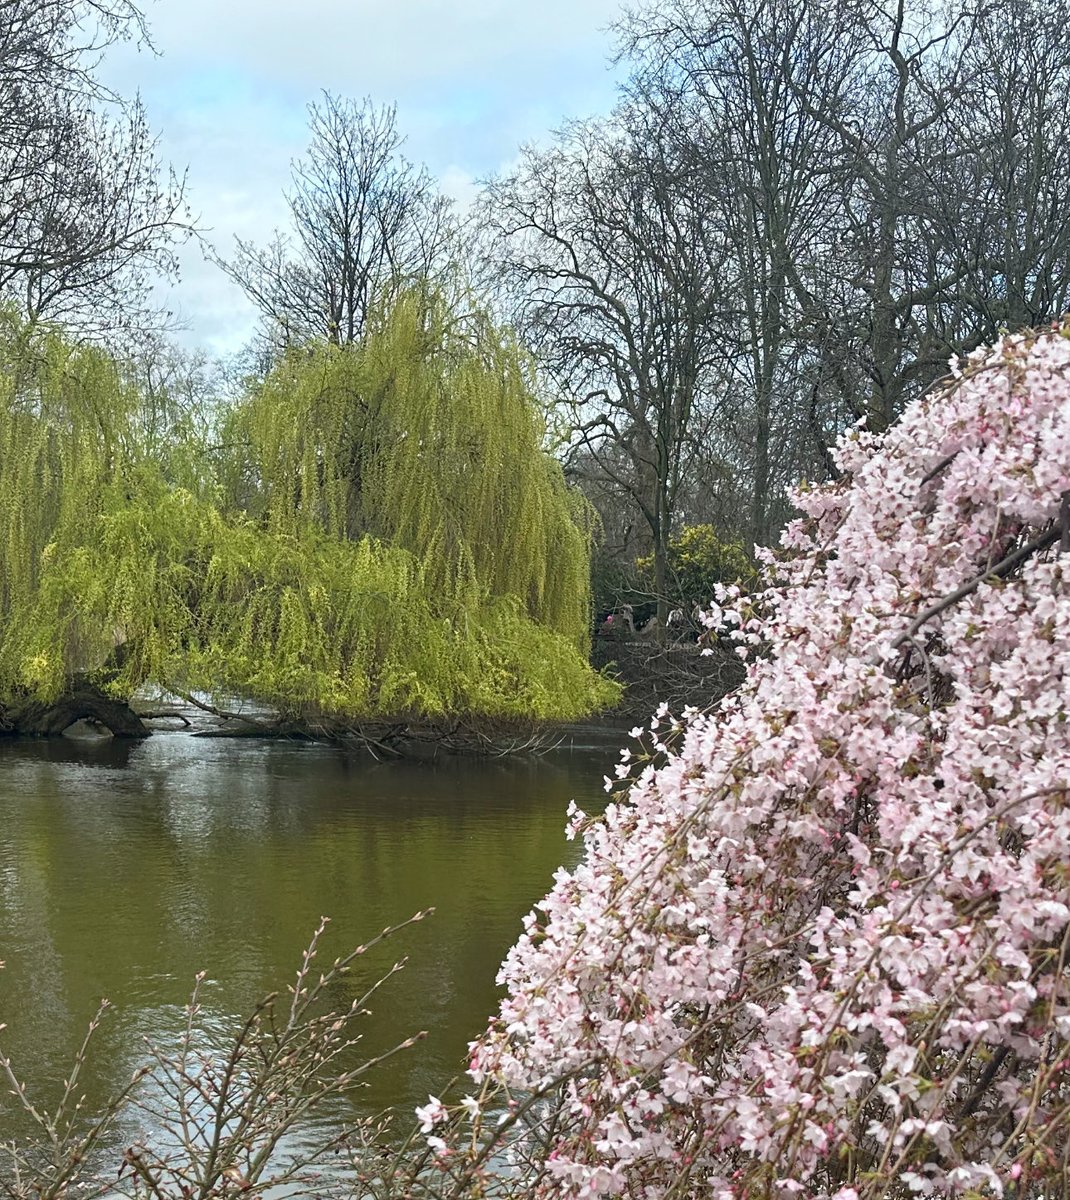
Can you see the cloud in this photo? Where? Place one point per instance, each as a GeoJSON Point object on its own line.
{"type": "Point", "coordinates": [459, 185]}
{"type": "Point", "coordinates": [388, 48]}
{"type": "Point", "coordinates": [472, 80]}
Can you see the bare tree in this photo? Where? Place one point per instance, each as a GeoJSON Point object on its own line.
{"type": "Point", "coordinates": [891, 175]}
{"type": "Point", "coordinates": [1002, 187]}
{"type": "Point", "coordinates": [87, 215]}
{"type": "Point", "coordinates": [180, 406]}
{"type": "Point", "coordinates": [906, 83]}
{"type": "Point", "coordinates": [615, 274]}
{"type": "Point", "coordinates": [733, 82]}
{"type": "Point", "coordinates": [363, 220]}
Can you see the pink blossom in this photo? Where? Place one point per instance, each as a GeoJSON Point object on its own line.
{"type": "Point", "coordinates": [431, 1114]}
{"type": "Point", "coordinates": [822, 946]}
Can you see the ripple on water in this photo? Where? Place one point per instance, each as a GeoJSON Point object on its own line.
{"type": "Point", "coordinates": [127, 868]}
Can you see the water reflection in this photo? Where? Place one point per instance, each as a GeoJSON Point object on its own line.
{"type": "Point", "coordinates": [125, 869]}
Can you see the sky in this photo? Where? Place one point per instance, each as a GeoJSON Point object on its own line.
{"type": "Point", "coordinates": [228, 90]}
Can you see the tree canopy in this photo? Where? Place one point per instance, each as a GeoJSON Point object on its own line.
{"type": "Point", "coordinates": [377, 535]}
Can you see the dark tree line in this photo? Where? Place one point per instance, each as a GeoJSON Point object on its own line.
{"type": "Point", "coordinates": [795, 216]}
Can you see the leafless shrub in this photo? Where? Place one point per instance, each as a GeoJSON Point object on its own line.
{"type": "Point", "coordinates": [220, 1110]}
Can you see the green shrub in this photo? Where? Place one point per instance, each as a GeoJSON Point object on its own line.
{"type": "Point", "coordinates": [698, 560]}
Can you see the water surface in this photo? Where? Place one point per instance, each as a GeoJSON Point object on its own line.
{"type": "Point", "coordinates": [127, 868]}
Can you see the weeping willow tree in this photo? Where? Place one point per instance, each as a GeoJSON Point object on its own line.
{"type": "Point", "coordinates": [427, 438]}
{"type": "Point", "coordinates": [65, 457]}
{"type": "Point", "coordinates": [385, 540]}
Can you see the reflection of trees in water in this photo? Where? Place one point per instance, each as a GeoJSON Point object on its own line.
{"type": "Point", "coordinates": [40, 1022]}
{"type": "Point", "coordinates": [101, 752]}
{"type": "Point", "coordinates": [223, 857]}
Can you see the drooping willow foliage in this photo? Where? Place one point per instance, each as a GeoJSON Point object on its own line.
{"type": "Point", "coordinates": [383, 538]}
{"type": "Point", "coordinates": [65, 457]}
{"type": "Point", "coordinates": [427, 438]}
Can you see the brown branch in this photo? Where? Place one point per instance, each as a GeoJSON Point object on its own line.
{"type": "Point", "coordinates": [1001, 569]}
{"type": "Point", "coordinates": [222, 714]}
{"type": "Point", "coordinates": [942, 465]}
{"type": "Point", "coordinates": [978, 1093]}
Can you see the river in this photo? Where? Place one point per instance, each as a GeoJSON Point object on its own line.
{"type": "Point", "coordinates": [126, 868]}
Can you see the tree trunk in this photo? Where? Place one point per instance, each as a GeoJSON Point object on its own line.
{"type": "Point", "coordinates": [83, 701]}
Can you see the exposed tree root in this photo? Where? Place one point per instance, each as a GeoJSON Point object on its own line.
{"type": "Point", "coordinates": [83, 701]}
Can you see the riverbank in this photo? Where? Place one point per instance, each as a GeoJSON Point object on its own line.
{"type": "Point", "coordinates": [678, 675]}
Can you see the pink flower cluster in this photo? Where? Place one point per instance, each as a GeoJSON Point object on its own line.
{"type": "Point", "coordinates": [819, 946]}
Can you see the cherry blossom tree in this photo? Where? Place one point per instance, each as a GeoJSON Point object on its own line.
{"type": "Point", "coordinates": [818, 943]}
